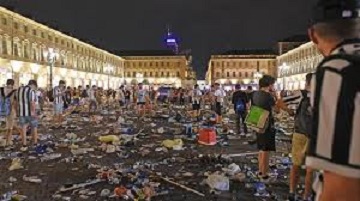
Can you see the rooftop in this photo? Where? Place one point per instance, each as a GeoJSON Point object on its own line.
{"type": "Point", "coordinates": [250, 52]}
{"type": "Point", "coordinates": [144, 53]}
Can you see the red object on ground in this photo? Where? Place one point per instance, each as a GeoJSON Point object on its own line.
{"type": "Point", "coordinates": [207, 136]}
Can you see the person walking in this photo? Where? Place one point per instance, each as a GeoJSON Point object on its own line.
{"type": "Point", "coordinates": [26, 110]}
{"type": "Point", "coordinates": [241, 104]}
{"type": "Point", "coordinates": [219, 95]}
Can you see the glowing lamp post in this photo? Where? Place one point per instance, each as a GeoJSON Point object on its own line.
{"type": "Point", "coordinates": [51, 57]}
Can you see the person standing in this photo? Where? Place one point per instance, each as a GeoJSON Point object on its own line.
{"type": "Point", "coordinates": [127, 97]}
{"type": "Point", "coordinates": [196, 97]}
{"type": "Point", "coordinates": [241, 104]}
{"type": "Point", "coordinates": [7, 95]}
{"type": "Point", "coordinates": [59, 97]}
{"type": "Point", "coordinates": [93, 105]}
{"type": "Point", "coordinates": [300, 101]}
{"type": "Point", "coordinates": [26, 109]}
{"type": "Point", "coordinates": [141, 99]}
{"type": "Point", "coordinates": [219, 95]}
{"type": "Point", "coordinates": [265, 141]}
{"type": "Point", "coordinates": [121, 96]}
{"type": "Point", "coordinates": [334, 146]}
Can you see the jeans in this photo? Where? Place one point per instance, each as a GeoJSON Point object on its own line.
{"type": "Point", "coordinates": [242, 117]}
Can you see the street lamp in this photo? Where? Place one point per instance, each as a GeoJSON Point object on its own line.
{"type": "Point", "coordinates": [108, 70]}
{"type": "Point", "coordinates": [51, 57]}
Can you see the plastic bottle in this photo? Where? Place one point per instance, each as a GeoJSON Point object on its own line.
{"type": "Point", "coordinates": [260, 189]}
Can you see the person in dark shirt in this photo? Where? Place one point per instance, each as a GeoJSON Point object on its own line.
{"type": "Point", "coordinates": [249, 92]}
{"type": "Point", "coordinates": [241, 103]}
{"type": "Point", "coordinates": [265, 141]}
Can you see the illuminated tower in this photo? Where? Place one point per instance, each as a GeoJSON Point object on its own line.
{"type": "Point", "coordinates": [171, 41]}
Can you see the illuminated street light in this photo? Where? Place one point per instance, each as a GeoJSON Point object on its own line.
{"type": "Point", "coordinates": [51, 57]}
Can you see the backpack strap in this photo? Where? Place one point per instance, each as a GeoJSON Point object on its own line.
{"type": "Point", "coordinates": [11, 93]}
{"type": "Point", "coordinates": [2, 91]}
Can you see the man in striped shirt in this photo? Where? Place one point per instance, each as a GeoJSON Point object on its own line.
{"type": "Point", "coordinates": [335, 142]}
{"type": "Point", "coordinates": [26, 109]}
{"type": "Point", "coordinates": [59, 96]}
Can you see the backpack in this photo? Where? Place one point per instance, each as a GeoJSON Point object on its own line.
{"type": "Point", "coordinates": [303, 115]}
{"type": "Point", "coordinates": [5, 103]}
{"type": "Point", "coordinates": [240, 106]}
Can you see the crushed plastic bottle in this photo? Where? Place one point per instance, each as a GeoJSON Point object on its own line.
{"type": "Point", "coordinates": [52, 156]}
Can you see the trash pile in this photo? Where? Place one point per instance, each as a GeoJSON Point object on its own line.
{"type": "Point", "coordinates": [169, 154]}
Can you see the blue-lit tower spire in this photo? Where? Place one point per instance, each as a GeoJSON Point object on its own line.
{"type": "Point", "coordinates": [172, 41]}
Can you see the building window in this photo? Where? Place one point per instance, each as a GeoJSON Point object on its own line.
{"type": "Point", "coordinates": [178, 74]}
{"type": "Point", "coordinates": [234, 74]}
{"type": "Point", "coordinates": [162, 74]}
{"type": "Point", "coordinates": [150, 64]}
{"type": "Point", "coordinates": [227, 74]}
{"type": "Point", "coordinates": [42, 35]}
{"type": "Point", "coordinates": [34, 32]}
{"type": "Point", "coordinates": [168, 63]}
{"type": "Point", "coordinates": [56, 40]}
{"type": "Point", "coordinates": [26, 29]}
{"type": "Point", "coordinates": [4, 46]}
{"type": "Point", "coordinates": [4, 21]}
{"type": "Point", "coordinates": [240, 74]}
{"type": "Point", "coordinates": [151, 74]}
{"type": "Point", "coordinates": [162, 64]}
{"type": "Point", "coordinates": [167, 74]}
{"type": "Point", "coordinates": [16, 25]}
{"type": "Point", "coordinates": [128, 74]}
{"type": "Point", "coordinates": [217, 74]}
{"type": "Point", "coordinates": [156, 74]}
{"type": "Point", "coordinates": [134, 74]}
{"type": "Point", "coordinates": [246, 74]}
{"type": "Point", "coordinates": [145, 74]}
{"type": "Point", "coordinates": [50, 38]}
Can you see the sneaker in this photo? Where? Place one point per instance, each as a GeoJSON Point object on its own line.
{"type": "Point", "coordinates": [23, 148]}
{"type": "Point", "coordinates": [291, 197]}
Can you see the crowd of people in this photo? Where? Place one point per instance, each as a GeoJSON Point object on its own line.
{"type": "Point", "coordinates": [326, 112]}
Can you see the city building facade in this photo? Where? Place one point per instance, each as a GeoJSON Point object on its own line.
{"type": "Point", "coordinates": [295, 64]}
{"type": "Point", "coordinates": [243, 67]}
{"type": "Point", "coordinates": [29, 50]}
{"type": "Point", "coordinates": [157, 68]}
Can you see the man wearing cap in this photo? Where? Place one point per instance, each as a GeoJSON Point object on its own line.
{"type": "Point", "coordinates": [334, 146]}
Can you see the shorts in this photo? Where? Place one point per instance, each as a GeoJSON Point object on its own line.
{"type": "Point", "coordinates": [196, 106]}
{"type": "Point", "coordinates": [58, 108]}
{"type": "Point", "coordinates": [9, 122]}
{"type": "Point", "coordinates": [32, 121]}
{"type": "Point", "coordinates": [299, 146]}
{"type": "Point", "coordinates": [266, 141]}
{"type": "Point", "coordinates": [218, 108]}
{"type": "Point", "coordinates": [141, 103]}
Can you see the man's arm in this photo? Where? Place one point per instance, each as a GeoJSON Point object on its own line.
{"type": "Point", "coordinates": [33, 103]}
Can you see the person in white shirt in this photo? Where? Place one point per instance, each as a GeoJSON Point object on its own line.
{"type": "Point", "coordinates": [142, 98]}
{"type": "Point", "coordinates": [59, 94]}
{"type": "Point", "coordinates": [92, 96]}
{"type": "Point", "coordinates": [219, 96]}
{"type": "Point", "coordinates": [196, 99]}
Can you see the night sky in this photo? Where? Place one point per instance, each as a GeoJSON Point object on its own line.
{"type": "Point", "coordinates": [205, 26]}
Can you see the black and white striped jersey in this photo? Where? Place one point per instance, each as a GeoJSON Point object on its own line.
{"type": "Point", "coordinates": [24, 96]}
{"type": "Point", "coordinates": [335, 140]}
